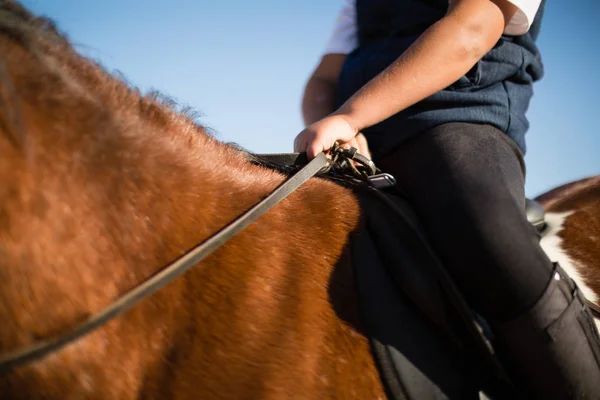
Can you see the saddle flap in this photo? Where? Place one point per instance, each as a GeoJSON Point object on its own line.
{"type": "Point", "coordinates": [405, 258]}
{"type": "Point", "coordinates": [416, 359]}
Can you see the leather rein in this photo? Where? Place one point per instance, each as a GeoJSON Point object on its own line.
{"type": "Point", "coordinates": [340, 158]}
{"type": "Point", "coordinates": [593, 308]}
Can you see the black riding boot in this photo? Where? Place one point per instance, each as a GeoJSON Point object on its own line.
{"type": "Point", "coordinates": [553, 349]}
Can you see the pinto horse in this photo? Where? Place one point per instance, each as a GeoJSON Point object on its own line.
{"type": "Point", "coordinates": [101, 187]}
{"type": "Point", "coordinates": [572, 234]}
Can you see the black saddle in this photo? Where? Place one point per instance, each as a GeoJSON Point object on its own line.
{"type": "Point", "coordinates": [426, 340]}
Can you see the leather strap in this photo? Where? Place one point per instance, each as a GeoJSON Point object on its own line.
{"type": "Point", "coordinates": [341, 157]}
{"type": "Point", "coordinates": [283, 158]}
{"type": "Point", "coordinates": [593, 308]}
{"type": "Point", "coordinates": [11, 360]}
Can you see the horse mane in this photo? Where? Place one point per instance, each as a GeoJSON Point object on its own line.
{"type": "Point", "coordinates": [41, 38]}
{"type": "Point", "coordinates": [21, 25]}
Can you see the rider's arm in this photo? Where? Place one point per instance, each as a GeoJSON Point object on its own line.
{"type": "Point", "coordinates": [319, 94]}
{"type": "Point", "coordinates": [442, 54]}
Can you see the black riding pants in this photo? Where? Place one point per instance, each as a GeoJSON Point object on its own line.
{"type": "Point", "coordinates": [466, 183]}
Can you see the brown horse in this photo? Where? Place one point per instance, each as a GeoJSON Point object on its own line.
{"type": "Point", "coordinates": [100, 187]}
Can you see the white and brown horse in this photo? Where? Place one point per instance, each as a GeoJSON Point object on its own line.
{"type": "Point", "coordinates": [572, 236]}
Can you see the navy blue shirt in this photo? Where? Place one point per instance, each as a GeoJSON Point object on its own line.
{"type": "Point", "coordinates": [496, 91]}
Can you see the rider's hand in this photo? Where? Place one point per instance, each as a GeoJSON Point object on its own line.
{"type": "Point", "coordinates": [321, 136]}
{"type": "Point", "coordinates": [360, 143]}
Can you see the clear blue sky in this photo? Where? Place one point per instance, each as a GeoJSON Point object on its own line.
{"type": "Point", "coordinates": [243, 64]}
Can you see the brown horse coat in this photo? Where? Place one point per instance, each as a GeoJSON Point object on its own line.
{"type": "Point", "coordinates": [100, 187]}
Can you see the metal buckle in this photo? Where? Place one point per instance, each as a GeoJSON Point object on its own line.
{"type": "Point", "coordinates": [344, 160]}
{"type": "Point", "coordinates": [382, 180]}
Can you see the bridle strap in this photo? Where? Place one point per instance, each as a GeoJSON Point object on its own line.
{"type": "Point", "coordinates": [40, 349]}
{"type": "Point", "coordinates": [593, 308]}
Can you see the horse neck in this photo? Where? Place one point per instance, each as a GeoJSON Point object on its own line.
{"type": "Point", "coordinates": [107, 204]}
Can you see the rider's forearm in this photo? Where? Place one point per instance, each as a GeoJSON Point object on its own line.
{"type": "Point", "coordinates": [318, 100]}
{"type": "Point", "coordinates": [444, 53]}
